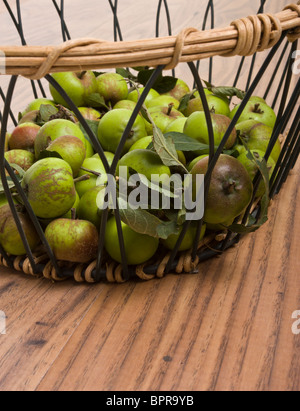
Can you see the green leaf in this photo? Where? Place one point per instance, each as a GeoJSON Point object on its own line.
{"type": "Point", "coordinates": [93, 125]}
{"type": "Point", "coordinates": [45, 113]}
{"type": "Point", "coordinates": [225, 92]}
{"type": "Point", "coordinates": [185, 100]}
{"type": "Point", "coordinates": [143, 222]}
{"type": "Point", "coordinates": [126, 74]}
{"type": "Point", "coordinates": [183, 142]}
{"type": "Point", "coordinates": [97, 101]}
{"type": "Point", "coordinates": [163, 84]}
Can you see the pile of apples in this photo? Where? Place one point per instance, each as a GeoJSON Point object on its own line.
{"type": "Point", "coordinates": [59, 171]}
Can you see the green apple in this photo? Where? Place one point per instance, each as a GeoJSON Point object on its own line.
{"type": "Point", "coordinates": [188, 239]}
{"type": "Point", "coordinates": [109, 156]}
{"type": "Point", "coordinates": [179, 91]}
{"type": "Point", "coordinates": [164, 101]}
{"type": "Point", "coordinates": [245, 127]}
{"type": "Point", "coordinates": [164, 116]}
{"type": "Point", "coordinates": [134, 95]}
{"type": "Point", "coordinates": [36, 104]}
{"type": "Point", "coordinates": [139, 248]}
{"type": "Point", "coordinates": [90, 113]}
{"type": "Point", "coordinates": [196, 127]}
{"type": "Point", "coordinates": [260, 112]}
{"type": "Point", "coordinates": [176, 125]}
{"type": "Point", "coordinates": [23, 137]}
{"type": "Point", "coordinates": [147, 163]}
{"type": "Point", "coordinates": [97, 175]}
{"type": "Point", "coordinates": [258, 138]}
{"type": "Point", "coordinates": [252, 167]}
{"type": "Point", "coordinates": [206, 91]}
{"type": "Point", "coordinates": [10, 238]}
{"type": "Point", "coordinates": [142, 143]}
{"type": "Point", "coordinates": [75, 241]}
{"type": "Point", "coordinates": [88, 209]}
{"type": "Point", "coordinates": [55, 129]}
{"type": "Point", "coordinates": [112, 87]}
{"type": "Point", "coordinates": [78, 86]}
{"type": "Point", "coordinates": [71, 149]}
{"type": "Point", "coordinates": [216, 105]}
{"type": "Point", "coordinates": [50, 187]}
{"type": "Point", "coordinates": [23, 158]}
{"type": "Point", "coordinates": [257, 99]}
{"type": "Point", "coordinates": [127, 104]}
{"type": "Point", "coordinates": [230, 190]}
{"type": "Point", "coordinates": [112, 127]}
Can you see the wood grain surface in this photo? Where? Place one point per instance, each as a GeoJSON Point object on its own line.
{"type": "Point", "coordinates": [228, 328]}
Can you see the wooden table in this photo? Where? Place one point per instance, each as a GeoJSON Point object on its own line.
{"type": "Point", "coordinates": [227, 328]}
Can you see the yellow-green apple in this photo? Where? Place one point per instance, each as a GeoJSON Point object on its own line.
{"type": "Point", "coordinates": [73, 240]}
{"type": "Point", "coordinates": [179, 91]}
{"type": "Point", "coordinates": [10, 238]}
{"type": "Point", "coordinates": [49, 187]}
{"type": "Point", "coordinates": [164, 116]}
{"type": "Point", "coordinates": [134, 95]}
{"type": "Point", "coordinates": [88, 205]}
{"type": "Point", "coordinates": [94, 168]}
{"type": "Point", "coordinates": [71, 149]}
{"type": "Point", "coordinates": [164, 101]}
{"type": "Point", "coordinates": [216, 105]}
{"type": "Point", "coordinates": [23, 158]}
{"type": "Point", "coordinates": [78, 86]}
{"type": "Point", "coordinates": [112, 87]}
{"type": "Point", "coordinates": [112, 126]}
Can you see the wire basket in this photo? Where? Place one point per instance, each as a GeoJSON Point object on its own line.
{"type": "Point", "coordinates": [274, 34]}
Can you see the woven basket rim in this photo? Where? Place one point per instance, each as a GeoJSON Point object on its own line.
{"type": "Point", "coordinates": [244, 37]}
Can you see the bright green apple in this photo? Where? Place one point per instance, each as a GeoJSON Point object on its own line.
{"type": "Point", "coordinates": [164, 101]}
{"type": "Point", "coordinates": [176, 125]}
{"type": "Point", "coordinates": [196, 127]}
{"type": "Point", "coordinates": [216, 105]}
{"type": "Point", "coordinates": [112, 127]}
{"type": "Point", "coordinates": [258, 111]}
{"type": "Point", "coordinates": [188, 239]}
{"type": "Point", "coordinates": [88, 209]}
{"type": "Point", "coordinates": [164, 116]}
{"type": "Point", "coordinates": [139, 248]}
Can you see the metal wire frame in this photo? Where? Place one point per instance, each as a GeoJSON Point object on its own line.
{"type": "Point", "coordinates": [286, 161]}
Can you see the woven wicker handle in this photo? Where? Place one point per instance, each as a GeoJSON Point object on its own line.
{"type": "Point", "coordinates": [244, 37]}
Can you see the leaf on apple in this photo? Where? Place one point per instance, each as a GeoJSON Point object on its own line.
{"type": "Point", "coordinates": [183, 142]}
{"type": "Point", "coordinates": [126, 74]}
{"type": "Point", "coordinates": [185, 100]}
{"type": "Point", "coordinates": [97, 101]}
{"type": "Point", "coordinates": [163, 84]}
{"type": "Point", "coordinates": [144, 222]}
{"type": "Point", "coordinates": [45, 113]}
{"type": "Point", "coordinates": [19, 175]}
{"type": "Point", "coordinates": [225, 92]}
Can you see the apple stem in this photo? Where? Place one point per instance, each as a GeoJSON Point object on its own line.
{"type": "Point", "coordinates": [95, 173]}
{"type": "Point", "coordinates": [81, 178]}
{"type": "Point", "coordinates": [73, 214]}
{"type": "Point", "coordinates": [81, 75]}
{"type": "Point", "coordinates": [171, 106]}
{"type": "Point", "coordinates": [229, 186]}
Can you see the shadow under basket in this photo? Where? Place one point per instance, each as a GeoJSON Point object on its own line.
{"type": "Point", "coordinates": [274, 35]}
